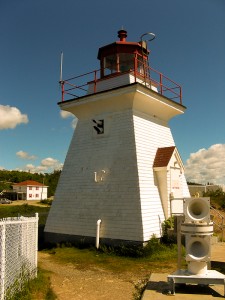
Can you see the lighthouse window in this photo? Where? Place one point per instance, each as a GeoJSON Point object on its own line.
{"type": "Point", "coordinates": [126, 62]}
{"type": "Point", "coordinates": [98, 126]}
{"type": "Point", "coordinates": [121, 62]}
{"type": "Point", "coordinates": [110, 65]}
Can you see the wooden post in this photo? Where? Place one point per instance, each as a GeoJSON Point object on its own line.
{"type": "Point", "coordinates": [179, 249]}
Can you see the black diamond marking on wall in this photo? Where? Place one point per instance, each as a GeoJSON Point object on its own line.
{"type": "Point", "coordinates": [98, 126]}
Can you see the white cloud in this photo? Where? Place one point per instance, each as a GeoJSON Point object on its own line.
{"type": "Point", "coordinates": [65, 115]}
{"type": "Point", "coordinates": [207, 165]}
{"type": "Point", "coordinates": [10, 117]}
{"type": "Point", "coordinates": [49, 162]}
{"type": "Point", "coordinates": [35, 169]}
{"type": "Point", "coordinates": [25, 155]}
{"type": "Point", "coordinates": [47, 165]}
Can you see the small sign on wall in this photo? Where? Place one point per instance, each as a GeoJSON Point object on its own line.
{"type": "Point", "coordinates": [175, 185]}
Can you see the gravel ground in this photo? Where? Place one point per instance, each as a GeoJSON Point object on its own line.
{"type": "Point", "coordinates": [68, 282]}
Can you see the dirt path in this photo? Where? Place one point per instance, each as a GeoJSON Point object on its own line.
{"type": "Point", "coordinates": [70, 283]}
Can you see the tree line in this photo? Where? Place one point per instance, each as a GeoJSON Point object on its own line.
{"type": "Point", "coordinates": [8, 178]}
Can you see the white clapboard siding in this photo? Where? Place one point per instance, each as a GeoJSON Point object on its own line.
{"type": "Point", "coordinates": [127, 198]}
{"type": "Point", "coordinates": [150, 134]}
{"type": "Point", "coordinates": [116, 200]}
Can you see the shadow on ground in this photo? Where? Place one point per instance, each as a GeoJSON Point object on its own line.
{"type": "Point", "coordinates": [164, 287]}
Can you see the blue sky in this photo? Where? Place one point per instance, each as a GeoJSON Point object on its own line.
{"type": "Point", "coordinates": [189, 48]}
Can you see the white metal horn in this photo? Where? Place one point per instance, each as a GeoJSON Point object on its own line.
{"type": "Point", "coordinates": [197, 249]}
{"type": "Point", "coordinates": [198, 209]}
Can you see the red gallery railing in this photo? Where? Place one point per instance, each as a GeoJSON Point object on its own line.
{"type": "Point", "coordinates": [79, 86]}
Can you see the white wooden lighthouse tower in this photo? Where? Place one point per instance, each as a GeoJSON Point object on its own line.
{"type": "Point", "coordinates": [122, 168]}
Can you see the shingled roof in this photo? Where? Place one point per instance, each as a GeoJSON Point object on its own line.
{"type": "Point", "coordinates": [163, 156]}
{"type": "Point", "coordinates": [29, 183]}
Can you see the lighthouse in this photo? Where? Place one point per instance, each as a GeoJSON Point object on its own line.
{"type": "Point", "coordinates": [122, 169]}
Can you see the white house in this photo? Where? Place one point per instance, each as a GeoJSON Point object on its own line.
{"type": "Point", "coordinates": [30, 190]}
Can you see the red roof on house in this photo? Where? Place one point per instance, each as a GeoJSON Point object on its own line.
{"type": "Point", "coordinates": [163, 156]}
{"type": "Point", "coordinates": [29, 183]}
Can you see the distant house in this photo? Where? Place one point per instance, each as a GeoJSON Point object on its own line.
{"type": "Point", "coordinates": [197, 190]}
{"type": "Point", "coordinates": [30, 190]}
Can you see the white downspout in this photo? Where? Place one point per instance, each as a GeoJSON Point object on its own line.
{"type": "Point", "coordinates": [98, 233]}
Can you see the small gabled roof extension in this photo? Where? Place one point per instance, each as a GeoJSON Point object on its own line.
{"type": "Point", "coordinates": [163, 156]}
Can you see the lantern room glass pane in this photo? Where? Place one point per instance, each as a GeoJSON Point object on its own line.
{"type": "Point", "coordinates": [126, 62]}
{"type": "Point", "coordinates": [110, 64]}
{"type": "Point", "coordinates": [120, 62]}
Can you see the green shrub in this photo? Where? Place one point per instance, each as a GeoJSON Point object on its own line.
{"type": "Point", "coordinates": [153, 248]}
{"type": "Point", "coordinates": [123, 250]}
{"type": "Point", "coordinates": [46, 202]}
{"type": "Point", "coordinates": [217, 198]}
{"type": "Point", "coordinates": [168, 225]}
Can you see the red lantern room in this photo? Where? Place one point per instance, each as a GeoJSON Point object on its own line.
{"type": "Point", "coordinates": [122, 56]}
{"type": "Point", "coordinates": [121, 63]}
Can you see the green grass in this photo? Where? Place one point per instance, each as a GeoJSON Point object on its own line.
{"type": "Point", "coordinates": [24, 210]}
{"type": "Point", "coordinates": [162, 259]}
{"type": "Point", "coordinates": [38, 288]}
